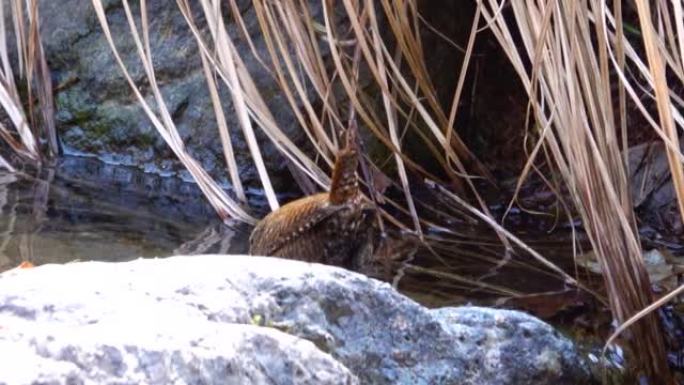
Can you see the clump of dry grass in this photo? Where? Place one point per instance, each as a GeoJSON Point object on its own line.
{"type": "Point", "coordinates": [573, 47]}
{"type": "Point", "coordinates": [32, 66]}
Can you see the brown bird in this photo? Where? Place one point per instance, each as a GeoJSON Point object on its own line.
{"type": "Point", "coordinates": [334, 228]}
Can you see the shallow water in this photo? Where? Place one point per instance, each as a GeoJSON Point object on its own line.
{"type": "Point", "coordinates": [82, 209]}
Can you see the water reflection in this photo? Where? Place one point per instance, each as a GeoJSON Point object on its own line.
{"type": "Point", "coordinates": [82, 209]}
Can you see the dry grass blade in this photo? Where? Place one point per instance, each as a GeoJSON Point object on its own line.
{"type": "Point", "coordinates": [550, 265]}
{"type": "Point", "coordinates": [223, 204]}
{"type": "Point", "coordinates": [461, 79]}
{"type": "Point", "coordinates": [643, 313]}
{"type": "Point", "coordinates": [679, 22]}
{"type": "Point", "coordinates": [19, 33]}
{"type": "Point", "coordinates": [283, 32]}
{"type": "Point", "coordinates": [13, 108]}
{"type": "Point", "coordinates": [662, 90]}
{"type": "Point", "coordinates": [39, 74]}
{"type": "Point", "coordinates": [224, 132]}
{"type": "Point", "coordinates": [392, 122]}
{"type": "Point", "coordinates": [361, 107]}
{"type": "Point", "coordinates": [226, 58]}
{"type": "Point", "coordinates": [495, 289]}
{"type": "Point", "coordinates": [4, 164]}
{"type": "Point", "coordinates": [408, 41]}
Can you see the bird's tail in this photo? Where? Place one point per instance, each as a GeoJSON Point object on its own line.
{"type": "Point", "coordinates": [345, 184]}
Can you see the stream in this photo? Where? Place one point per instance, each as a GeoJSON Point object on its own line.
{"type": "Point", "coordinates": [82, 209]}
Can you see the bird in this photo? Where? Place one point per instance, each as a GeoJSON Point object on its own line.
{"type": "Point", "coordinates": [334, 228]}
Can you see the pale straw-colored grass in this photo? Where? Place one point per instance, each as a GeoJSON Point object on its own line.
{"type": "Point", "coordinates": [32, 67]}
{"type": "Point", "coordinates": [570, 91]}
{"type": "Point", "coordinates": [26, 145]}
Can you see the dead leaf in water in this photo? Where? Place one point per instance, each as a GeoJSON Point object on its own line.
{"type": "Point", "coordinates": [663, 267]}
{"type": "Point", "coordinates": [26, 265]}
{"type": "Point", "coordinates": [547, 305]}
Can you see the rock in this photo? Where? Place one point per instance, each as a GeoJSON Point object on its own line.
{"type": "Point", "coordinates": [184, 313]}
{"type": "Point", "coordinates": [134, 353]}
{"type": "Point", "coordinates": [134, 342]}
{"type": "Point", "coordinates": [97, 113]}
{"type": "Point", "coordinates": [520, 346]}
{"type": "Point", "coordinates": [129, 352]}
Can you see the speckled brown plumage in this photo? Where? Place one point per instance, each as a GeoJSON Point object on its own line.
{"type": "Point", "coordinates": [333, 228]}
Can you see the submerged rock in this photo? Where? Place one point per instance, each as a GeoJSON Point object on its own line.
{"type": "Point", "coordinates": [201, 319]}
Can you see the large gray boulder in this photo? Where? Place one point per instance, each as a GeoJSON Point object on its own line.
{"type": "Point", "coordinates": [198, 319]}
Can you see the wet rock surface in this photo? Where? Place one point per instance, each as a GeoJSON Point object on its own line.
{"type": "Point", "coordinates": [200, 316]}
{"type": "Point", "coordinates": [97, 113]}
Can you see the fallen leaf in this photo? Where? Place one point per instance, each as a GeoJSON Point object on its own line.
{"type": "Point", "coordinates": [26, 265]}
{"type": "Point", "coordinates": [662, 267]}
{"type": "Point", "coordinates": [547, 305]}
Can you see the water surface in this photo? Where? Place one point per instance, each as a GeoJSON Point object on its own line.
{"type": "Point", "coordinates": [82, 209]}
